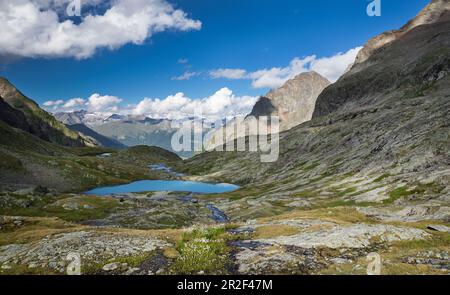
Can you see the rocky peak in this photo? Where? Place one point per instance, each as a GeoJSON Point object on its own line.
{"type": "Point", "coordinates": [434, 12]}
{"type": "Point", "coordinates": [294, 101]}
{"type": "Point", "coordinates": [71, 118]}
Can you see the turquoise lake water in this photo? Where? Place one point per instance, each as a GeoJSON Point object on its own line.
{"type": "Point", "coordinates": [165, 185]}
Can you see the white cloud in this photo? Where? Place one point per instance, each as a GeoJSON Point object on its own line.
{"type": "Point", "coordinates": [53, 103]}
{"type": "Point", "coordinates": [74, 102]}
{"type": "Point", "coordinates": [186, 76]}
{"type": "Point", "coordinates": [106, 103]}
{"type": "Point", "coordinates": [95, 103]}
{"type": "Point", "coordinates": [329, 67]}
{"type": "Point", "coordinates": [36, 28]}
{"type": "Point", "coordinates": [333, 67]}
{"type": "Point", "coordinates": [275, 77]}
{"type": "Point", "coordinates": [221, 104]}
{"type": "Point", "coordinates": [232, 74]}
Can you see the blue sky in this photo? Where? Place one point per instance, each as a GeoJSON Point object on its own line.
{"type": "Point", "coordinates": [234, 34]}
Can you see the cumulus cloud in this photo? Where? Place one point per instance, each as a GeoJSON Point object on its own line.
{"type": "Point", "coordinates": [221, 104]}
{"type": "Point", "coordinates": [38, 28]}
{"type": "Point", "coordinates": [74, 102]}
{"type": "Point", "coordinates": [106, 103]}
{"type": "Point", "coordinates": [330, 67]}
{"type": "Point", "coordinates": [95, 103]}
{"type": "Point", "coordinates": [333, 67]}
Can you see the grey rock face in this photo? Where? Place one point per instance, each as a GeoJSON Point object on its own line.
{"type": "Point", "coordinates": [441, 228]}
{"type": "Point", "coordinates": [293, 102]}
{"type": "Point", "coordinates": [72, 118]}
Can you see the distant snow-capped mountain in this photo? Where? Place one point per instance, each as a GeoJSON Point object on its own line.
{"type": "Point", "coordinates": [129, 130]}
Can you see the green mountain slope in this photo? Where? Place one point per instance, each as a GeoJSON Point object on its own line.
{"type": "Point", "coordinates": [38, 150]}
{"type": "Point", "coordinates": [28, 161]}
{"type": "Point", "coordinates": [38, 121]}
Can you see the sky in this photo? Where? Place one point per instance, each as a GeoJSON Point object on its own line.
{"type": "Point", "coordinates": [165, 58]}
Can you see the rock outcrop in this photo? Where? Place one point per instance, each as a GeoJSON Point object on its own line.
{"type": "Point", "coordinates": [293, 102]}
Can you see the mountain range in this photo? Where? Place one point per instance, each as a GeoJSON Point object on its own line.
{"type": "Point", "coordinates": [116, 130]}
{"type": "Point", "coordinates": [293, 102]}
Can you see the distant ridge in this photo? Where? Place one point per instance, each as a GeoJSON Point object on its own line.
{"type": "Point", "coordinates": [35, 120]}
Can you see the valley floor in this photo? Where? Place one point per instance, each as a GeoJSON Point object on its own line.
{"type": "Point", "coordinates": [177, 233]}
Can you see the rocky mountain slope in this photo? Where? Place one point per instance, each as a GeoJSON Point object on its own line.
{"type": "Point", "coordinates": [432, 13]}
{"type": "Point", "coordinates": [376, 152]}
{"type": "Point", "coordinates": [294, 101]}
{"type": "Point", "coordinates": [72, 118]}
{"type": "Point", "coordinates": [379, 137]}
{"type": "Point", "coordinates": [413, 61]}
{"type": "Point", "coordinates": [37, 121]}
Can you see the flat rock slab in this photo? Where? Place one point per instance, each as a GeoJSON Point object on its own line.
{"type": "Point", "coordinates": [354, 236]}
{"type": "Point", "coordinates": [440, 228]}
{"type": "Point", "coordinates": [51, 252]}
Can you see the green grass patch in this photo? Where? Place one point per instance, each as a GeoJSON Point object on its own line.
{"type": "Point", "coordinates": [202, 250]}
{"type": "Point", "coordinates": [381, 178]}
{"type": "Point", "coordinates": [347, 191]}
{"type": "Point", "coordinates": [396, 194]}
{"type": "Point", "coordinates": [432, 188]}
